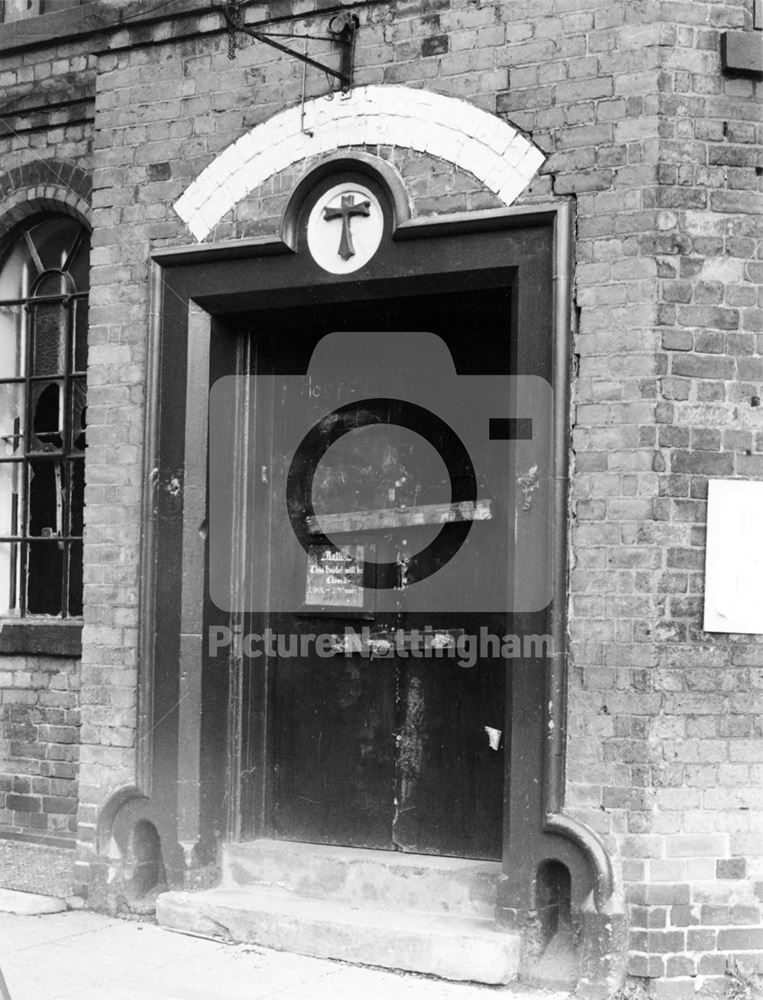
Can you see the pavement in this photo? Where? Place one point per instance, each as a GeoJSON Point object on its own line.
{"type": "Point", "coordinates": [79, 955]}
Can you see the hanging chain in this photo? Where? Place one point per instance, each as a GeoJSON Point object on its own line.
{"type": "Point", "coordinates": [235, 21]}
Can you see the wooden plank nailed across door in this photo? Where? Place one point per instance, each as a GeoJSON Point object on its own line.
{"type": "Point", "coordinates": [378, 520]}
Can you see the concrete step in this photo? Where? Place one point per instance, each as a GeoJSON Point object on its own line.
{"type": "Point", "coordinates": [451, 947]}
{"type": "Point", "coordinates": [384, 880]}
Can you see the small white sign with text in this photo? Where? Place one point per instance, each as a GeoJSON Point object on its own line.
{"type": "Point", "coordinates": [734, 558]}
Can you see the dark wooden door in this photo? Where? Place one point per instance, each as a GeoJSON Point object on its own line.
{"type": "Point", "coordinates": [373, 744]}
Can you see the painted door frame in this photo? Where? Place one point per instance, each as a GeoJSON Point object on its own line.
{"type": "Point", "coordinates": [171, 739]}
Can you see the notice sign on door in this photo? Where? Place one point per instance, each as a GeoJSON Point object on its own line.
{"type": "Point", "coordinates": [335, 576]}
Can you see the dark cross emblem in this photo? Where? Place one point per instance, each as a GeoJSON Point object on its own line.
{"type": "Point", "coordinates": [347, 210]}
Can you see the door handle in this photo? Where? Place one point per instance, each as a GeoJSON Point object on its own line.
{"type": "Point", "coordinates": [383, 644]}
{"type": "Point", "coordinates": [365, 643]}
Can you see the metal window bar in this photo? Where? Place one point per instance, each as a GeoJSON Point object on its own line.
{"type": "Point", "coordinates": [65, 469]}
{"type": "Point", "coordinates": [24, 519]}
{"type": "Point", "coordinates": [15, 512]}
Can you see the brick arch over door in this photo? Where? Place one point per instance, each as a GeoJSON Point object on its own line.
{"type": "Point", "coordinates": [495, 152]}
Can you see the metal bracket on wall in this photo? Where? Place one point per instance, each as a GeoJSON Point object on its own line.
{"type": "Point", "coordinates": [342, 31]}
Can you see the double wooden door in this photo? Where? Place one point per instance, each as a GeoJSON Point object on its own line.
{"type": "Point", "coordinates": [374, 741]}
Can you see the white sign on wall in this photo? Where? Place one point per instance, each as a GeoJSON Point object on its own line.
{"type": "Point", "coordinates": [734, 558]}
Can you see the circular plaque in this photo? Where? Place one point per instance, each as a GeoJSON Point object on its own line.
{"type": "Point", "coordinates": [345, 228]}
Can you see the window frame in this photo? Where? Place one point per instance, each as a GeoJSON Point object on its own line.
{"type": "Point", "coordinates": [22, 629]}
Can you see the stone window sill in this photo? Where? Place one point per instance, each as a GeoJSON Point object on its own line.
{"type": "Point", "coordinates": [71, 19]}
{"type": "Point", "coordinates": [52, 26]}
{"type": "Point", "coordinates": [41, 638]}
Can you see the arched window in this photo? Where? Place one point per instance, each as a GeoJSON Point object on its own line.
{"type": "Point", "coordinates": [43, 356]}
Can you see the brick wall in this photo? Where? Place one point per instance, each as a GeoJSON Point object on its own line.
{"type": "Point", "coordinates": [39, 735]}
{"type": "Point", "coordinates": [657, 149]}
{"type": "Point", "coordinates": [666, 759]}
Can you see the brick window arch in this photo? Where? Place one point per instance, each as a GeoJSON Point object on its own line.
{"type": "Point", "coordinates": [43, 357]}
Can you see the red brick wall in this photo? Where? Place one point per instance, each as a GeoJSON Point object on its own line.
{"type": "Point", "coordinates": [39, 751]}
{"type": "Point", "coordinates": [669, 751]}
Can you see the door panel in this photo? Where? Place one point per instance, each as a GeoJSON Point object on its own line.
{"type": "Point", "coordinates": [448, 777]}
{"type": "Point", "coordinates": [334, 759]}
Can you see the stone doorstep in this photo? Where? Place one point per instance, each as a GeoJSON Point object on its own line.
{"type": "Point", "coordinates": [382, 880]}
{"type": "Point", "coordinates": [450, 947]}
{"type": "Point", "coordinates": [416, 913]}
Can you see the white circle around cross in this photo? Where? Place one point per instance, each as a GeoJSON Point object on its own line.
{"type": "Point", "coordinates": [345, 228]}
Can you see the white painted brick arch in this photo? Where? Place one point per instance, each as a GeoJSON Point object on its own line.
{"type": "Point", "coordinates": [503, 159]}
